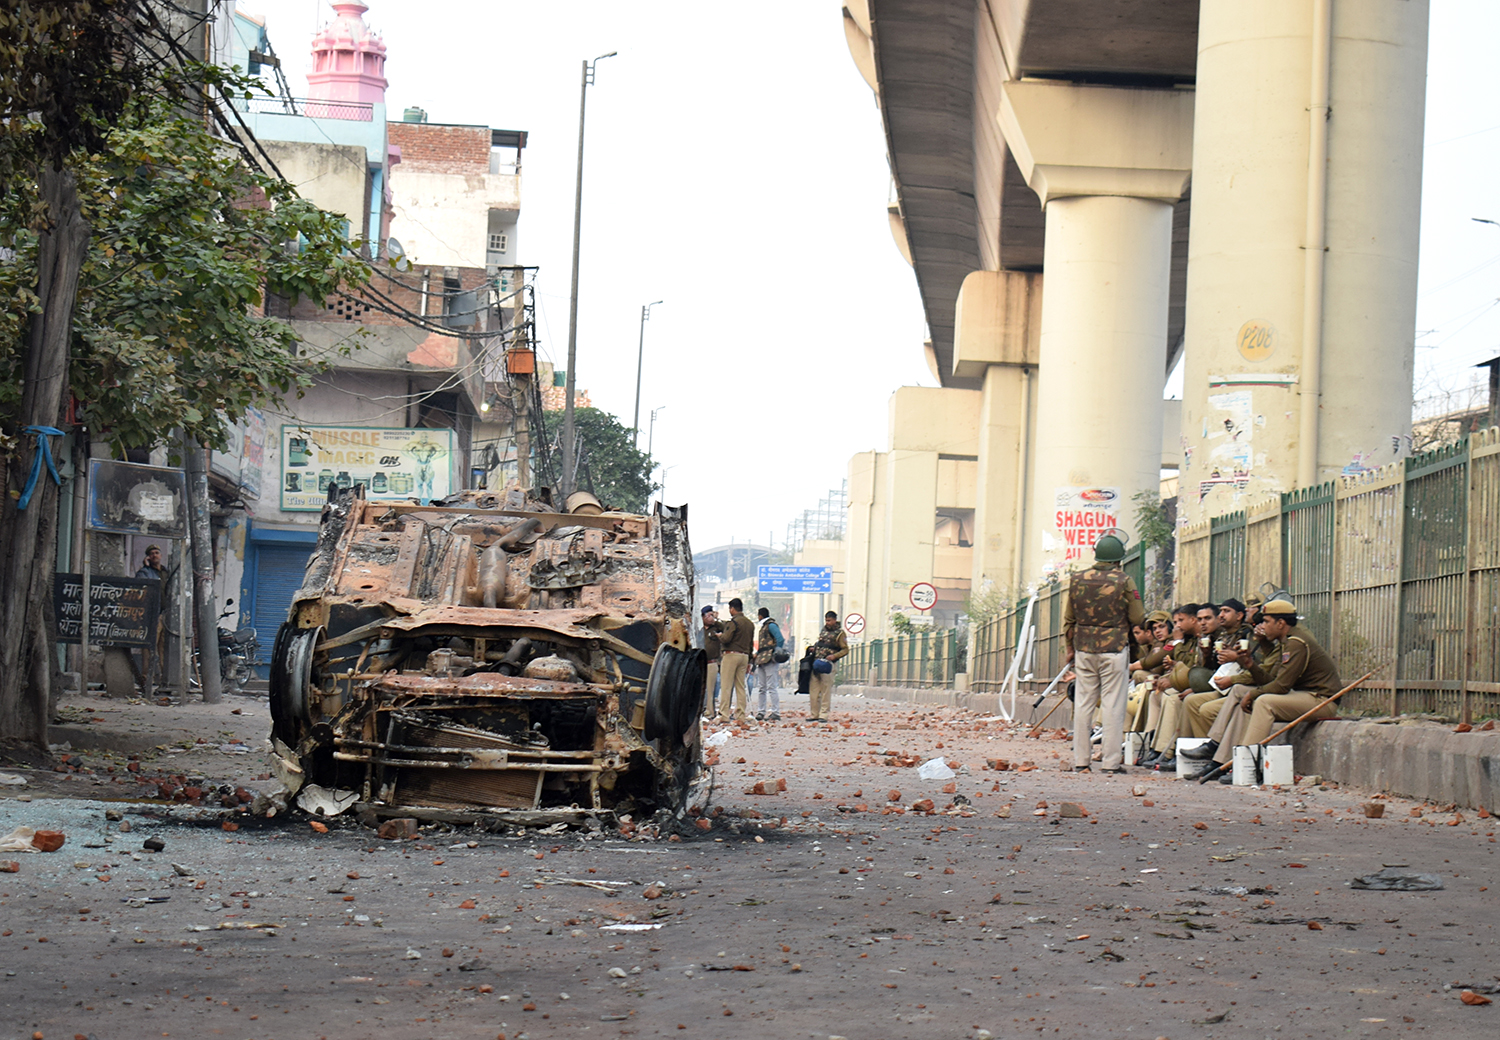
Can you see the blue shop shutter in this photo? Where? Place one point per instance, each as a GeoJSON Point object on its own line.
{"type": "Point", "coordinates": [278, 576]}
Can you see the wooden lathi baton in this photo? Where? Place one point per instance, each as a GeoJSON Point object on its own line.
{"type": "Point", "coordinates": [1217, 771]}
{"type": "Point", "coordinates": [1038, 727]}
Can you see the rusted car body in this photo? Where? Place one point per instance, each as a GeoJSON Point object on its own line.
{"type": "Point", "coordinates": [490, 653]}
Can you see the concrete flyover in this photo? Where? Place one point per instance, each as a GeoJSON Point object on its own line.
{"type": "Point", "coordinates": [1089, 190]}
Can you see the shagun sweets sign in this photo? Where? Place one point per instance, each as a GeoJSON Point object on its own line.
{"type": "Point", "coordinates": [1082, 515]}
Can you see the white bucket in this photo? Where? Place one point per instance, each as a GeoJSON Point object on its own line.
{"type": "Point", "coordinates": [1245, 772]}
{"type": "Point", "coordinates": [1135, 743]}
{"type": "Point", "coordinates": [1276, 765]}
{"type": "Point", "coordinates": [1187, 767]}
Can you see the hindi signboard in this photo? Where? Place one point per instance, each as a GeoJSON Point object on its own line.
{"type": "Point", "coordinates": [794, 579]}
{"type": "Point", "coordinates": [394, 465]}
{"type": "Point", "coordinates": [122, 611]}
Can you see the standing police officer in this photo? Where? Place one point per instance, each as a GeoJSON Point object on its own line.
{"type": "Point", "coordinates": [1103, 604]}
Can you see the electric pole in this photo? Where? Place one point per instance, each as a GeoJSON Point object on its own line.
{"type": "Point", "coordinates": [568, 435]}
{"type": "Point", "coordinates": [640, 354]}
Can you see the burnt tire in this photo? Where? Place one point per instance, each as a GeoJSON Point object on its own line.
{"type": "Point", "coordinates": [291, 681]}
{"type": "Point", "coordinates": [674, 695]}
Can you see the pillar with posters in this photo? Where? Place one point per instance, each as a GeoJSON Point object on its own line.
{"type": "Point", "coordinates": [1081, 515]}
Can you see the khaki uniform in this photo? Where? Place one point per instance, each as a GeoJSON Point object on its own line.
{"type": "Point", "coordinates": [1304, 678]}
{"type": "Point", "coordinates": [713, 651]}
{"type": "Point", "coordinates": [1173, 720]}
{"type": "Point", "coordinates": [831, 646]}
{"type": "Point", "coordinates": [1143, 707]}
{"type": "Point", "coordinates": [1205, 710]}
{"type": "Point", "coordinates": [1102, 605]}
{"type": "Point", "coordinates": [737, 637]}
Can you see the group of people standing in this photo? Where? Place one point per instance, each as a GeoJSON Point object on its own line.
{"type": "Point", "coordinates": [741, 652]}
{"type": "Point", "coordinates": [1225, 672]}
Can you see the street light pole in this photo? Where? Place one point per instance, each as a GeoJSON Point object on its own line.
{"type": "Point", "coordinates": [640, 354]}
{"type": "Point", "coordinates": [565, 480]}
{"type": "Point", "coordinates": [651, 430]}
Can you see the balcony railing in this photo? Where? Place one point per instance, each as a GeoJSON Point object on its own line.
{"type": "Point", "coordinates": [317, 108]}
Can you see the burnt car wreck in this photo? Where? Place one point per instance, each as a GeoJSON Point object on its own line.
{"type": "Point", "coordinates": [487, 652]}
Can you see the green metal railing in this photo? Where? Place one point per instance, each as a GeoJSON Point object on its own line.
{"type": "Point", "coordinates": [922, 658]}
{"type": "Point", "coordinates": [1397, 566]}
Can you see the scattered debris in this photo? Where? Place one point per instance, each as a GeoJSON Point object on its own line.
{"type": "Point", "coordinates": [398, 828]}
{"type": "Point", "coordinates": [322, 801]}
{"type": "Point", "coordinates": [1394, 879]}
{"type": "Point", "coordinates": [935, 769]}
{"type": "Point", "coordinates": [48, 841]}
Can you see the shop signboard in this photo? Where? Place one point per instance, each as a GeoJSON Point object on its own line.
{"type": "Point", "coordinates": [394, 465]}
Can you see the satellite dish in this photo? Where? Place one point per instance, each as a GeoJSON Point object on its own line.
{"type": "Point", "coordinates": [396, 253]}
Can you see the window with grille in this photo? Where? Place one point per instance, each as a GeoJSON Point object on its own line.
{"type": "Point", "coordinates": [499, 241]}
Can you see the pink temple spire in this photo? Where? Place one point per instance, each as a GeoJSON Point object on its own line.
{"type": "Point", "coordinates": [348, 59]}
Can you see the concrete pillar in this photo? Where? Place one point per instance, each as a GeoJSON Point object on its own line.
{"type": "Point", "coordinates": [1107, 164]}
{"type": "Point", "coordinates": [864, 539]}
{"type": "Point", "coordinates": [997, 327]}
{"type": "Point", "coordinates": [1260, 311]}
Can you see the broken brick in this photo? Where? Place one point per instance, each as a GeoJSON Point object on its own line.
{"type": "Point", "coordinates": [398, 828]}
{"type": "Point", "coordinates": [48, 841]}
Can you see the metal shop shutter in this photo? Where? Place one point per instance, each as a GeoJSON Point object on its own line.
{"type": "Point", "coordinates": [278, 576]}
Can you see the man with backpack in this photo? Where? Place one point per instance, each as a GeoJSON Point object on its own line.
{"type": "Point", "coordinates": [829, 647]}
{"type": "Point", "coordinates": [769, 654]}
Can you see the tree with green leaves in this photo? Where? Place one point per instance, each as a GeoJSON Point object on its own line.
{"type": "Point", "coordinates": [139, 246]}
{"type": "Point", "coordinates": [609, 464]}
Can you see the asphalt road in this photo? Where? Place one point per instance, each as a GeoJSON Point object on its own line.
{"type": "Point", "coordinates": [829, 909]}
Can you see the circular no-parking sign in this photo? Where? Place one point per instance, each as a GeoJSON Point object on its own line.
{"type": "Point", "coordinates": [854, 624]}
{"type": "Point", "coordinates": [923, 596]}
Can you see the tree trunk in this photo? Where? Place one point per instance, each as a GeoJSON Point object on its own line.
{"type": "Point", "coordinates": [28, 538]}
{"type": "Point", "coordinates": [200, 537]}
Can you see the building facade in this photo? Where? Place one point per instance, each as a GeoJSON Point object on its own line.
{"type": "Point", "coordinates": [412, 365]}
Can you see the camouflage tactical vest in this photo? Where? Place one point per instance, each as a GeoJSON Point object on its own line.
{"type": "Point", "coordinates": [1100, 610]}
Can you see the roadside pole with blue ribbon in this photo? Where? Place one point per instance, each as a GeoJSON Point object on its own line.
{"type": "Point", "coordinates": [43, 454]}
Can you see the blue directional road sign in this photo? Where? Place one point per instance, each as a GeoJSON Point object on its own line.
{"type": "Point", "coordinates": [794, 579]}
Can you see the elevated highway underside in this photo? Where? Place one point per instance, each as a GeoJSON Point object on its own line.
{"type": "Point", "coordinates": [965, 204]}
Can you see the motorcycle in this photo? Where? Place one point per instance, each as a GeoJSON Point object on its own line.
{"type": "Point", "coordinates": [237, 651]}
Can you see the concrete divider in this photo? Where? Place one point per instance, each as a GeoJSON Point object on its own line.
{"type": "Point", "coordinates": [1411, 759]}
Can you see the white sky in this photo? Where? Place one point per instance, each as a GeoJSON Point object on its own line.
{"type": "Point", "coordinates": [736, 170]}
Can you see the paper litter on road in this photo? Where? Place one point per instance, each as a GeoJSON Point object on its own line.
{"type": "Point", "coordinates": [19, 840]}
{"type": "Point", "coordinates": [718, 739]}
{"type": "Point", "coordinates": [935, 769]}
{"type": "Point", "coordinates": [628, 927]}
{"type": "Point", "coordinates": [321, 801]}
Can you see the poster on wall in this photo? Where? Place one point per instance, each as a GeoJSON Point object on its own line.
{"type": "Point", "coordinates": [133, 498]}
{"type": "Point", "coordinates": [1082, 515]}
{"type": "Point", "coordinates": [392, 464]}
{"type": "Point", "coordinates": [253, 451]}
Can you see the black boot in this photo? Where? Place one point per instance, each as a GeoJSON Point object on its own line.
{"type": "Point", "coordinates": [1202, 750]}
